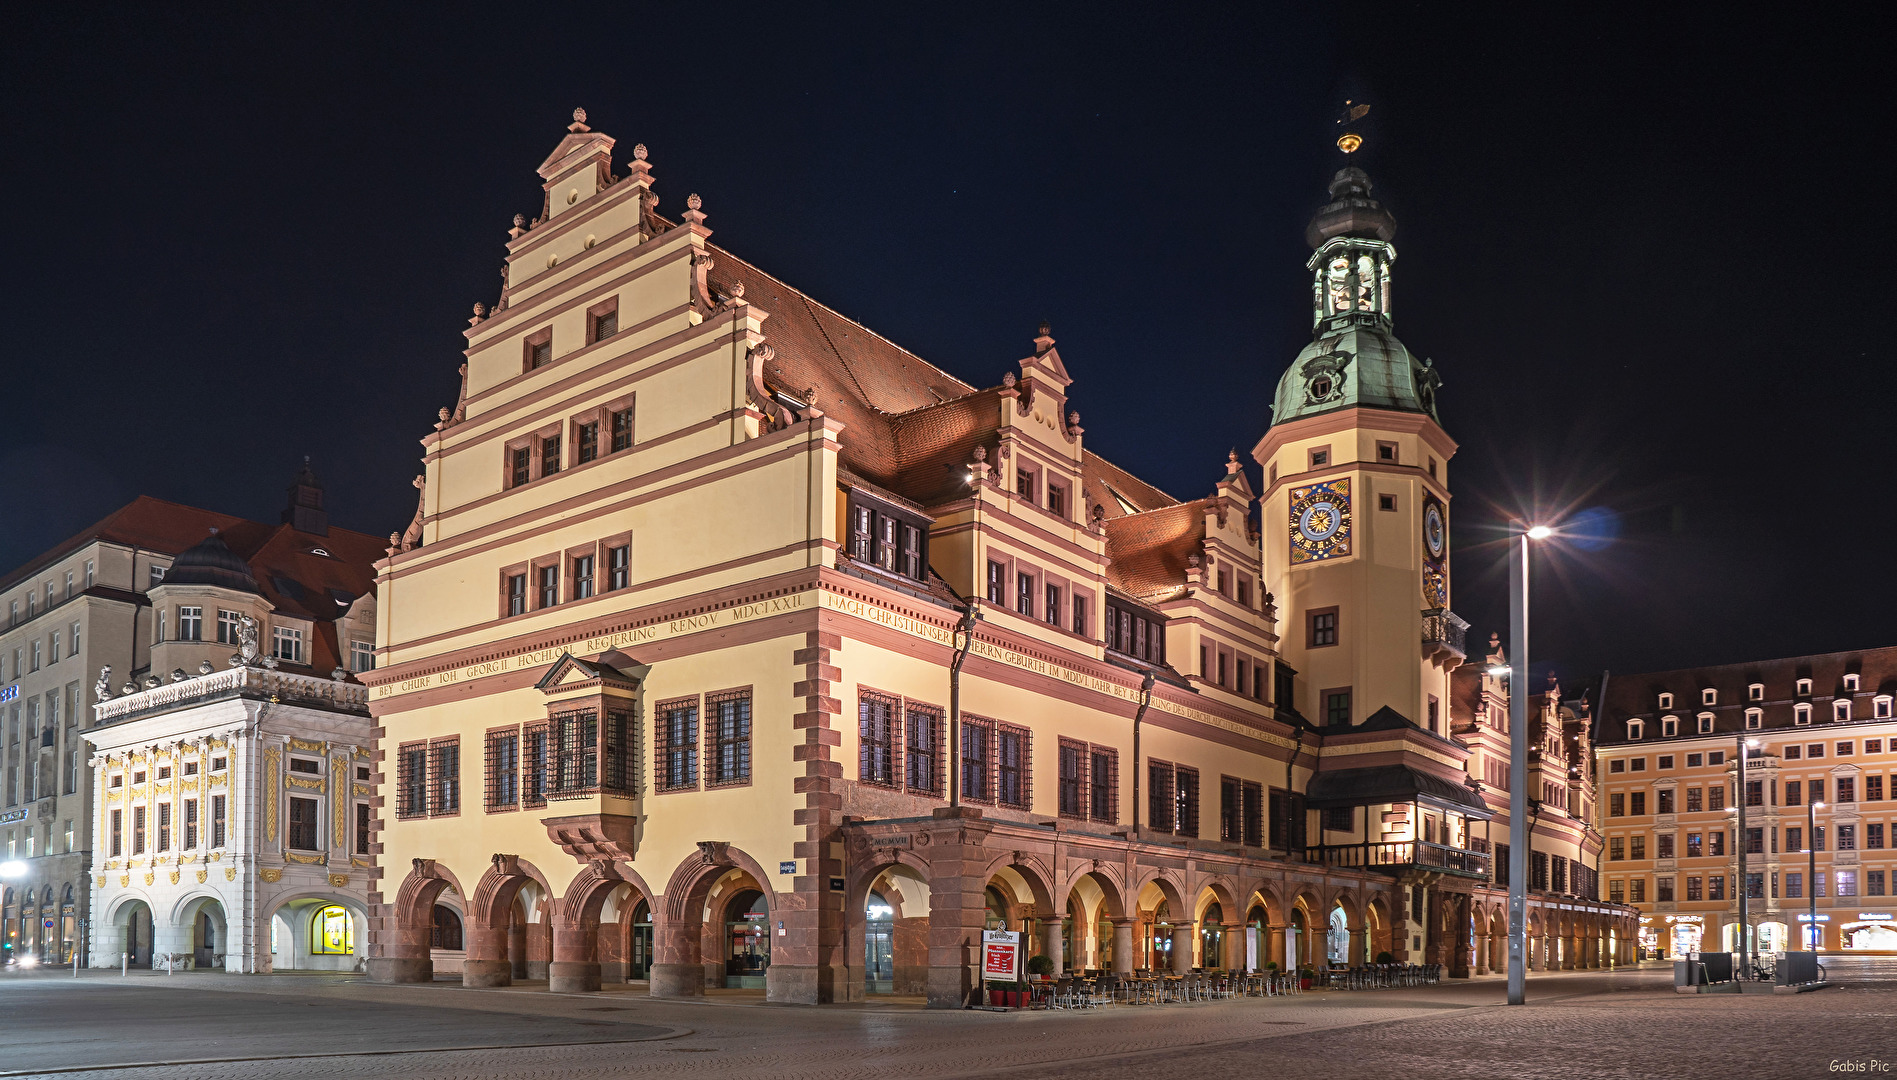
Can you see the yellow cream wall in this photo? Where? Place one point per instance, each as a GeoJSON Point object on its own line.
{"type": "Point", "coordinates": [1377, 589]}
{"type": "Point", "coordinates": [868, 666]}
{"type": "Point", "coordinates": [671, 825]}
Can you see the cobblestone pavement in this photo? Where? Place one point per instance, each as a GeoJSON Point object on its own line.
{"type": "Point", "coordinates": [1587, 1025]}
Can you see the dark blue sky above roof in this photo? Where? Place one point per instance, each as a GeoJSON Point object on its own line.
{"type": "Point", "coordinates": [1645, 255]}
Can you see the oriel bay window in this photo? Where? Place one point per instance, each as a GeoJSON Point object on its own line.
{"type": "Point", "coordinates": [884, 535]}
{"type": "Point", "coordinates": [586, 750]}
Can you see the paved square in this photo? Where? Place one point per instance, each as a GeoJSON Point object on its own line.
{"type": "Point", "coordinates": [1590, 1025]}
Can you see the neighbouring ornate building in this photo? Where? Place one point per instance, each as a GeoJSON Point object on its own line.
{"type": "Point", "coordinates": [232, 783]}
{"type": "Point", "coordinates": [735, 645]}
{"type": "Point", "coordinates": [81, 605]}
{"type": "Point", "coordinates": [1821, 802]}
{"type": "Point", "coordinates": [1564, 844]}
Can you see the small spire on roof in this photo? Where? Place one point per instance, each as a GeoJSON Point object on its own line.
{"type": "Point", "coordinates": [579, 122]}
{"type": "Point", "coordinates": [692, 212]}
{"type": "Point", "coordinates": [639, 152]}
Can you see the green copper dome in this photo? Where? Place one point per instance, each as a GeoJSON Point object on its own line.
{"type": "Point", "coordinates": [1354, 358]}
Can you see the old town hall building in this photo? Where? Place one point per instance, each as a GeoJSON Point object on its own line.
{"type": "Point", "coordinates": [738, 646]}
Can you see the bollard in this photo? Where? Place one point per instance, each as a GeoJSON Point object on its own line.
{"type": "Point", "coordinates": [125, 964]}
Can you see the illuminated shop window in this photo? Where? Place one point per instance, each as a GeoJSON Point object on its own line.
{"type": "Point", "coordinates": [331, 932]}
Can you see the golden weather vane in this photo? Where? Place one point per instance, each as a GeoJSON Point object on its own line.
{"type": "Point", "coordinates": [1349, 141]}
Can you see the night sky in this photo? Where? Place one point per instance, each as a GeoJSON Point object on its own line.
{"type": "Point", "coordinates": [1650, 258]}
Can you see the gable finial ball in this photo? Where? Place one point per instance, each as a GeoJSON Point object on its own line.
{"type": "Point", "coordinates": [579, 116]}
{"type": "Point", "coordinates": [639, 152]}
{"type": "Point", "coordinates": [693, 202]}
{"type": "Point", "coordinates": [520, 221]}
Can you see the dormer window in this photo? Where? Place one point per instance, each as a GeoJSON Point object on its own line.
{"type": "Point", "coordinates": [1705, 723]}
{"type": "Point", "coordinates": [882, 535]}
{"type": "Point", "coordinates": [1755, 719]}
{"type": "Point", "coordinates": [1669, 726]}
{"type": "Point", "coordinates": [1666, 701]}
{"type": "Point", "coordinates": [1709, 697]}
{"type": "Point", "coordinates": [1840, 711]}
{"type": "Point", "coordinates": [1635, 728]}
{"type": "Point", "coordinates": [1135, 633]}
{"type": "Point", "coordinates": [1851, 683]}
{"type": "Point", "coordinates": [1804, 688]}
{"type": "Point", "coordinates": [319, 551]}
{"type": "Point", "coordinates": [1755, 692]}
{"type": "Point", "coordinates": [1801, 714]}
{"type": "Point", "coordinates": [1880, 707]}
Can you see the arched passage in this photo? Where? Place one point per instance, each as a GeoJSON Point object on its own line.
{"type": "Point", "coordinates": [132, 927]}
{"type": "Point", "coordinates": [695, 945]}
{"type": "Point", "coordinates": [406, 948]}
{"type": "Point", "coordinates": [204, 927]}
{"type": "Point", "coordinates": [318, 932]}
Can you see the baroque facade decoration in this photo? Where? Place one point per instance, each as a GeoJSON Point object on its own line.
{"type": "Point", "coordinates": [734, 645]}
{"type": "Point", "coordinates": [232, 786]}
{"type": "Point", "coordinates": [1820, 802]}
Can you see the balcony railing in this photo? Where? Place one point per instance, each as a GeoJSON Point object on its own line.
{"type": "Point", "coordinates": [1398, 856]}
{"type": "Point", "coordinates": [334, 694]}
{"type": "Point", "coordinates": [1443, 634]}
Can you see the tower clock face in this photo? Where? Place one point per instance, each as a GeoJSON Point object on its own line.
{"type": "Point", "coordinates": [1320, 521]}
{"type": "Point", "coordinates": [1434, 534]}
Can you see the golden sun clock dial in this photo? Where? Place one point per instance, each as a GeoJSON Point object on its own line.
{"type": "Point", "coordinates": [1320, 521]}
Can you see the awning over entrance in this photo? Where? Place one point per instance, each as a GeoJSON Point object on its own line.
{"type": "Point", "coordinates": [1391, 784]}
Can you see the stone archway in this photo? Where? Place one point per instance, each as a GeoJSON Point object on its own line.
{"type": "Point", "coordinates": [1094, 931]}
{"type": "Point", "coordinates": [405, 945]}
{"type": "Point", "coordinates": [501, 923]}
{"type": "Point", "coordinates": [683, 965]}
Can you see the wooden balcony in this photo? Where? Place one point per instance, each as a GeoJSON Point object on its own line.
{"type": "Point", "coordinates": [1400, 856]}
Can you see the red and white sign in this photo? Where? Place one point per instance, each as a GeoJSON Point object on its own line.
{"type": "Point", "coordinates": [1000, 954]}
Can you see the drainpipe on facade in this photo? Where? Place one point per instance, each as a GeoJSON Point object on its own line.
{"type": "Point", "coordinates": [1146, 699]}
{"type": "Point", "coordinates": [966, 628]}
{"type": "Point", "coordinates": [1290, 780]}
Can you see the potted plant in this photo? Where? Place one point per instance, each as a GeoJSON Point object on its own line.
{"type": "Point", "coordinates": [1385, 958]}
{"type": "Point", "coordinates": [1007, 994]}
{"type": "Point", "coordinates": [1304, 978]}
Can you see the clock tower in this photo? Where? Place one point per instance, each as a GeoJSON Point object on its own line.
{"type": "Point", "coordinates": [1356, 493]}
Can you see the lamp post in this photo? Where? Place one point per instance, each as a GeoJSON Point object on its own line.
{"type": "Point", "coordinates": [1811, 872]}
{"type": "Point", "coordinates": [1520, 533]}
{"type": "Point", "coordinates": [1747, 948]}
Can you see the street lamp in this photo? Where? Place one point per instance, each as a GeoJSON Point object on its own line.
{"type": "Point", "coordinates": [1811, 873]}
{"type": "Point", "coordinates": [1520, 533]}
{"type": "Point", "coordinates": [1747, 948]}
{"type": "Point", "coordinates": [12, 869]}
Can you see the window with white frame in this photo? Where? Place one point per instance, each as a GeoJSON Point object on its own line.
{"type": "Point", "coordinates": [1840, 711]}
{"type": "Point", "coordinates": [1803, 688]}
{"type": "Point", "coordinates": [1851, 682]}
{"type": "Point", "coordinates": [1666, 701]}
{"type": "Point", "coordinates": [1755, 719]}
{"type": "Point", "coordinates": [286, 643]}
{"type": "Point", "coordinates": [75, 639]}
{"type": "Point", "coordinates": [361, 655]}
{"type": "Point", "coordinates": [157, 575]}
{"type": "Point", "coordinates": [1709, 696]}
{"type": "Point", "coordinates": [1880, 707]}
{"type": "Point", "coordinates": [190, 623]}
{"type": "Point", "coordinates": [1801, 714]}
{"type": "Point", "coordinates": [227, 626]}
{"type": "Point", "coordinates": [1635, 728]}
{"type": "Point", "coordinates": [1755, 692]}
{"type": "Point", "coordinates": [1705, 723]}
{"type": "Point", "coordinates": [1669, 726]}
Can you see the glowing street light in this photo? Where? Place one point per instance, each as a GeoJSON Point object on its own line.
{"type": "Point", "coordinates": [1517, 672]}
{"type": "Point", "coordinates": [12, 869]}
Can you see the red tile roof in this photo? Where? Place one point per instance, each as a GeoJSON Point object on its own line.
{"type": "Point", "coordinates": [1149, 550]}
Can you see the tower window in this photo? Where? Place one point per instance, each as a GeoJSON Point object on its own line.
{"type": "Point", "coordinates": [1323, 628]}
{"type": "Point", "coordinates": [1320, 457]}
{"type": "Point", "coordinates": [1386, 502]}
{"type": "Point", "coordinates": [1386, 451]}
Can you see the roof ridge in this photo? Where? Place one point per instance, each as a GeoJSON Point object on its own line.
{"type": "Point", "coordinates": [808, 300]}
